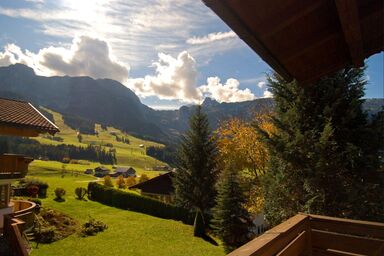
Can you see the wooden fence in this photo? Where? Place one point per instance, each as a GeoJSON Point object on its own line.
{"type": "Point", "coordinates": [315, 235]}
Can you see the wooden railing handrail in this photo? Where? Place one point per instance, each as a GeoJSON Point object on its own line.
{"type": "Point", "coordinates": [14, 235]}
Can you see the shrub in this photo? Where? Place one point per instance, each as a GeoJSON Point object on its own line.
{"type": "Point", "coordinates": [198, 225]}
{"type": "Point", "coordinates": [59, 192]}
{"type": "Point", "coordinates": [120, 183]}
{"type": "Point", "coordinates": [138, 203]}
{"type": "Point", "coordinates": [33, 190]}
{"type": "Point", "coordinates": [92, 227]}
{"type": "Point", "coordinates": [143, 178]}
{"type": "Point", "coordinates": [42, 187]}
{"type": "Point", "coordinates": [108, 181]}
{"type": "Point", "coordinates": [46, 234]}
{"type": "Point", "coordinates": [80, 192]}
{"type": "Point", "coordinates": [130, 181]}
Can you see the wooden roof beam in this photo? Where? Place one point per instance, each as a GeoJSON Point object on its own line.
{"type": "Point", "coordinates": [247, 35]}
{"type": "Point", "coordinates": [350, 24]}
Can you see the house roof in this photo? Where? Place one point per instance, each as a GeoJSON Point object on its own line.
{"type": "Point", "coordinates": [124, 169]}
{"type": "Point", "coordinates": [21, 118]}
{"type": "Point", "coordinates": [306, 40]}
{"type": "Point", "coordinates": [160, 185]}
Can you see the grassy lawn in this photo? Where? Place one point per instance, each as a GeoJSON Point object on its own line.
{"type": "Point", "coordinates": [128, 233]}
{"type": "Point", "coordinates": [127, 154]}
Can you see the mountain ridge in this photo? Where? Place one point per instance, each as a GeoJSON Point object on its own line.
{"type": "Point", "coordinates": [109, 102]}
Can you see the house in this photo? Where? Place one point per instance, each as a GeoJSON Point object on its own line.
{"type": "Point", "coordinates": [88, 171]}
{"type": "Point", "coordinates": [124, 171]}
{"type": "Point", "coordinates": [101, 171]}
{"type": "Point", "coordinates": [160, 187]}
{"type": "Point", "coordinates": [18, 118]}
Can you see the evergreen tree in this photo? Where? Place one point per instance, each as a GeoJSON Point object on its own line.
{"type": "Point", "coordinates": [231, 221]}
{"type": "Point", "coordinates": [324, 155]}
{"type": "Point", "coordinates": [196, 175]}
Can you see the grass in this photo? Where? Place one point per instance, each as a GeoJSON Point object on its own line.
{"type": "Point", "coordinates": [128, 233]}
{"type": "Point", "coordinates": [127, 154]}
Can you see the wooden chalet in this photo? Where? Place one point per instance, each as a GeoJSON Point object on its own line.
{"type": "Point", "coordinates": [307, 40]}
{"type": "Point", "coordinates": [18, 118]}
{"type": "Point", "coordinates": [160, 187]}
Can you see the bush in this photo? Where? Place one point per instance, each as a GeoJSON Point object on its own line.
{"type": "Point", "coordinates": [120, 183]}
{"type": "Point", "coordinates": [26, 183]}
{"type": "Point", "coordinates": [92, 227]}
{"type": "Point", "coordinates": [198, 225]}
{"type": "Point", "coordinates": [80, 192]}
{"type": "Point", "coordinates": [108, 181]}
{"type": "Point", "coordinates": [33, 190]}
{"type": "Point", "coordinates": [59, 192]}
{"type": "Point", "coordinates": [138, 203]}
{"type": "Point", "coordinates": [130, 181]}
{"type": "Point", "coordinates": [46, 234]}
{"type": "Point", "coordinates": [143, 178]}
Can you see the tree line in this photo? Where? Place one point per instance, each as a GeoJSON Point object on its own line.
{"type": "Point", "coordinates": [32, 148]}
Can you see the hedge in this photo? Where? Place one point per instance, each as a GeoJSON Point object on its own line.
{"type": "Point", "coordinates": [137, 203]}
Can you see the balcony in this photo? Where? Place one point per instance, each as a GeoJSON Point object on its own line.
{"type": "Point", "coordinates": [316, 235]}
{"type": "Point", "coordinates": [13, 166]}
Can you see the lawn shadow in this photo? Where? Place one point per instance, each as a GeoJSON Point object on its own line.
{"type": "Point", "coordinates": [59, 200]}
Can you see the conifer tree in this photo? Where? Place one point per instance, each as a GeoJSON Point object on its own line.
{"type": "Point", "coordinates": [323, 156]}
{"type": "Point", "coordinates": [196, 175]}
{"type": "Point", "coordinates": [231, 220]}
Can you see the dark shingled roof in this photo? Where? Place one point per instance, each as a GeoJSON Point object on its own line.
{"type": "Point", "coordinates": [21, 114]}
{"type": "Point", "coordinates": [160, 185]}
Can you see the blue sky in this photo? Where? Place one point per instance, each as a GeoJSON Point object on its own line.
{"type": "Point", "coordinates": [169, 52]}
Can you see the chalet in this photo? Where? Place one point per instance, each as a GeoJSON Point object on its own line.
{"type": "Point", "coordinates": [305, 41]}
{"type": "Point", "coordinates": [18, 118]}
{"type": "Point", "coordinates": [124, 171]}
{"type": "Point", "coordinates": [88, 171]}
{"type": "Point", "coordinates": [101, 171]}
{"type": "Point", "coordinates": [160, 187]}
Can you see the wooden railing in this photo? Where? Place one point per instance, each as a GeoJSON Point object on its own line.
{"type": "Point", "coordinates": [318, 236]}
{"type": "Point", "coordinates": [14, 235]}
{"type": "Point", "coordinates": [13, 166]}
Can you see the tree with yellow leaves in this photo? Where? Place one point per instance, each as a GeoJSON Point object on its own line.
{"type": "Point", "coordinates": [241, 146]}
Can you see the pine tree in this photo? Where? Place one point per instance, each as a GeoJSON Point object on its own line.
{"type": "Point", "coordinates": [323, 156]}
{"type": "Point", "coordinates": [231, 221]}
{"type": "Point", "coordinates": [196, 175]}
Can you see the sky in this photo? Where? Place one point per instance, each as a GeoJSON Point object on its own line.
{"type": "Point", "coordinates": [169, 52]}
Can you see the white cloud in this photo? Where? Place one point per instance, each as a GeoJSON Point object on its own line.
{"type": "Point", "coordinates": [261, 84]}
{"type": "Point", "coordinates": [175, 79]}
{"type": "Point", "coordinates": [212, 37]}
{"type": "Point", "coordinates": [228, 92]}
{"type": "Point", "coordinates": [267, 94]}
{"type": "Point", "coordinates": [86, 57]}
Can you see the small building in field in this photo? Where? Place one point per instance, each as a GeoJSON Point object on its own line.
{"type": "Point", "coordinates": [124, 171]}
{"type": "Point", "coordinates": [88, 171]}
{"type": "Point", "coordinates": [101, 171]}
{"type": "Point", "coordinates": [160, 187]}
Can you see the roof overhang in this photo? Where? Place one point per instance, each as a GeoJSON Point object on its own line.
{"type": "Point", "coordinates": [306, 40]}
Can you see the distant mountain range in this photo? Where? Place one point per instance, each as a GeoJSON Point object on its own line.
{"type": "Point", "coordinates": [108, 102]}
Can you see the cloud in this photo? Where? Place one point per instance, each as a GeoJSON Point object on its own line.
{"type": "Point", "coordinates": [261, 84]}
{"type": "Point", "coordinates": [85, 57]}
{"type": "Point", "coordinates": [228, 92]}
{"type": "Point", "coordinates": [212, 37]}
{"type": "Point", "coordinates": [175, 78]}
{"type": "Point", "coordinates": [267, 94]}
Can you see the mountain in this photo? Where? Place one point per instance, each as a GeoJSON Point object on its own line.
{"type": "Point", "coordinates": [108, 102]}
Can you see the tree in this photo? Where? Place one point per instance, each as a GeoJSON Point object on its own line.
{"type": "Point", "coordinates": [130, 181]}
{"type": "Point", "coordinates": [143, 177]}
{"type": "Point", "coordinates": [120, 182]}
{"type": "Point", "coordinates": [323, 156]}
{"type": "Point", "coordinates": [196, 168]}
{"type": "Point", "coordinates": [108, 181]}
{"type": "Point", "coordinates": [231, 220]}
{"type": "Point", "coordinates": [240, 145]}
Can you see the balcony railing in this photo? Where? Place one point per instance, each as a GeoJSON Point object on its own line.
{"type": "Point", "coordinates": [13, 166]}
{"type": "Point", "coordinates": [318, 236]}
